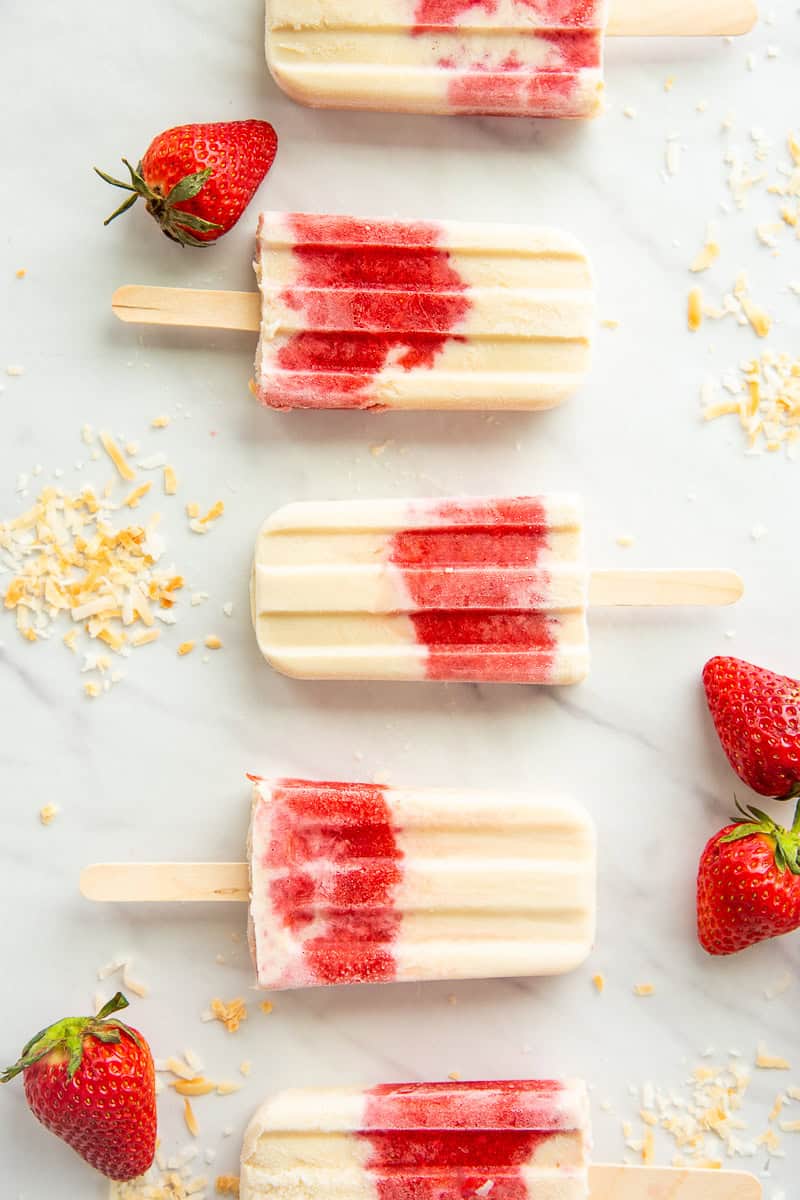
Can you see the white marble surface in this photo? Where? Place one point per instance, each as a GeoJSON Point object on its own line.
{"type": "Point", "coordinates": [156, 769]}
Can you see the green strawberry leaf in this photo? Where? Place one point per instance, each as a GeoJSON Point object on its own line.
{"type": "Point", "coordinates": [746, 830]}
{"type": "Point", "coordinates": [69, 1035]}
{"type": "Point", "coordinates": [114, 182]}
{"type": "Point", "coordinates": [191, 221]}
{"type": "Point", "coordinates": [129, 203]}
{"type": "Point", "coordinates": [189, 186]}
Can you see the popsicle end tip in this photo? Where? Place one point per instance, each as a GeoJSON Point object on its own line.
{"type": "Point", "coordinates": [86, 883]}
{"type": "Point", "coordinates": [751, 20]}
{"type": "Point", "coordinates": [735, 588]}
{"type": "Point", "coordinates": [120, 302]}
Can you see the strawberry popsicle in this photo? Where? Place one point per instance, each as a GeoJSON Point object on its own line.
{"type": "Point", "coordinates": [529, 58]}
{"type": "Point", "coordinates": [356, 883]}
{"type": "Point", "coordinates": [460, 589]}
{"type": "Point", "coordinates": [516, 1140]}
{"type": "Point", "coordinates": [419, 314]}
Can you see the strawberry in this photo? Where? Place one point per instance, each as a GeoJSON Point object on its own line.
{"type": "Point", "coordinates": [757, 718]}
{"type": "Point", "coordinates": [91, 1081]}
{"type": "Point", "coordinates": [197, 180]}
{"type": "Point", "coordinates": [748, 884]}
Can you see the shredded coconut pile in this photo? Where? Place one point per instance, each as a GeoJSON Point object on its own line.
{"type": "Point", "coordinates": [764, 395]}
{"type": "Point", "coordinates": [705, 1122]}
{"type": "Point", "coordinates": [75, 558]}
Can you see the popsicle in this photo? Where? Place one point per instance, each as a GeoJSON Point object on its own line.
{"type": "Point", "coordinates": [419, 314]}
{"type": "Point", "coordinates": [529, 58]}
{"type": "Point", "coordinates": [469, 589]}
{"type": "Point", "coordinates": [376, 314]}
{"type": "Point", "coordinates": [512, 1140]}
{"type": "Point", "coordinates": [358, 883]}
{"type": "Point", "coordinates": [429, 1141]}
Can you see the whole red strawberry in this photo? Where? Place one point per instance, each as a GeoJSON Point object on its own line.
{"type": "Point", "coordinates": [91, 1081]}
{"type": "Point", "coordinates": [757, 717]}
{"type": "Point", "coordinates": [748, 885]}
{"type": "Point", "coordinates": [197, 180]}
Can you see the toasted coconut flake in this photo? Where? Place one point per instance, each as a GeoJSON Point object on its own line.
{"type": "Point", "coordinates": [176, 1066]}
{"type": "Point", "coordinates": [124, 469]}
{"type": "Point", "coordinates": [695, 309]}
{"type": "Point", "coordinates": [673, 156]}
{"type": "Point", "coordinates": [159, 422]}
{"type": "Point", "coordinates": [202, 524]}
{"type": "Point", "coordinates": [199, 1086]}
{"type": "Point", "coordinates": [190, 1118]}
{"type": "Point", "coordinates": [266, 1007]}
{"type": "Point", "coordinates": [723, 408]}
{"type": "Point", "coordinates": [227, 1185]}
{"type": "Point", "coordinates": [194, 1060]}
{"type": "Point", "coordinates": [706, 257]}
{"type": "Point", "coordinates": [644, 989]}
{"type": "Point", "coordinates": [134, 498]}
{"type": "Point", "coordinates": [133, 985]}
{"type": "Point", "coordinates": [185, 648]}
{"type": "Point", "coordinates": [48, 813]}
{"type": "Point", "coordinates": [145, 637]}
{"type": "Point", "coordinates": [110, 968]}
{"type": "Point", "coordinates": [599, 982]}
{"type": "Point", "coordinates": [213, 642]}
{"type": "Point", "coordinates": [758, 318]}
{"type": "Point", "coordinates": [771, 1062]}
{"type": "Point", "coordinates": [228, 1087]}
{"type": "Point", "coordinates": [170, 481]}
{"type": "Point", "coordinates": [154, 462]}
{"type": "Point", "coordinates": [770, 1140]}
{"type": "Point", "coordinates": [230, 1013]}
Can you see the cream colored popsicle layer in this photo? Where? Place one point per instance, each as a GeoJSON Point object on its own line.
{"type": "Point", "coordinates": [356, 883]}
{"type": "Point", "coordinates": [532, 58]}
{"type": "Point", "coordinates": [524, 1140]}
{"type": "Point", "coordinates": [457, 589]}
{"type": "Point", "coordinates": [419, 314]}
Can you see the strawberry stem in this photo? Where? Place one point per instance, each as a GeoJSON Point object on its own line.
{"type": "Point", "coordinates": [115, 1004]}
{"type": "Point", "coordinates": [129, 203]}
{"type": "Point", "coordinates": [178, 225]}
{"type": "Point", "coordinates": [68, 1036]}
{"type": "Point", "coordinates": [796, 824]}
{"type": "Point", "coordinates": [786, 842]}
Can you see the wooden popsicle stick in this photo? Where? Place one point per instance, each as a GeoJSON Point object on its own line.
{"type": "Point", "coordinates": [664, 588]}
{"type": "Point", "coordinates": [681, 18]}
{"type": "Point", "coordinates": [670, 1183]}
{"type": "Point", "coordinates": [165, 882]}
{"type": "Point", "coordinates": [187, 308]}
